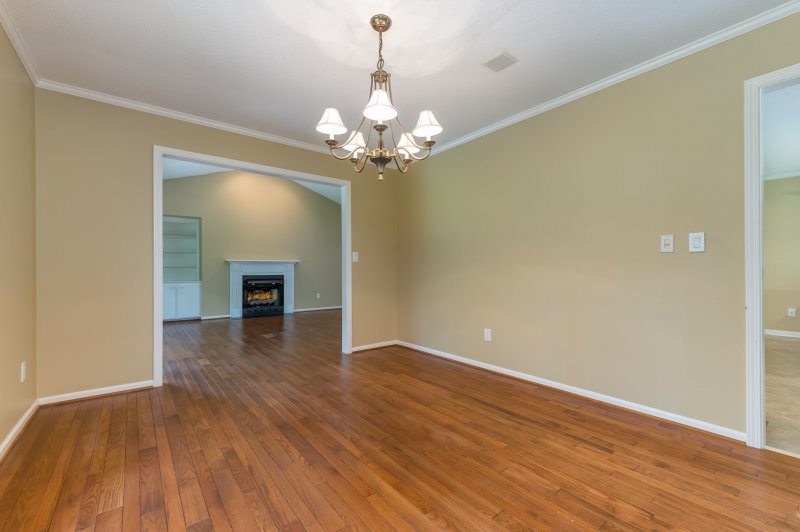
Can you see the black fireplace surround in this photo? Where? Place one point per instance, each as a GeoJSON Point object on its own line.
{"type": "Point", "coordinates": [262, 295]}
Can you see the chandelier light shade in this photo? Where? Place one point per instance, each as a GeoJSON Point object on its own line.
{"type": "Point", "coordinates": [427, 126]}
{"type": "Point", "coordinates": [331, 123]}
{"type": "Point", "coordinates": [390, 143]}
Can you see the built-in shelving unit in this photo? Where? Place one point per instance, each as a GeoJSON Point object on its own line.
{"type": "Point", "coordinates": [181, 249]}
{"type": "Point", "coordinates": [182, 287]}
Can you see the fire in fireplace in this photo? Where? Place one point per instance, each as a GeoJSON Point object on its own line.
{"type": "Point", "coordinates": [262, 295]}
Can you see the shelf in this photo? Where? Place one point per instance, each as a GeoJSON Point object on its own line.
{"type": "Point", "coordinates": [181, 249]}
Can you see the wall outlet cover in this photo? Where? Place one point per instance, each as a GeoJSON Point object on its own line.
{"type": "Point", "coordinates": [697, 242]}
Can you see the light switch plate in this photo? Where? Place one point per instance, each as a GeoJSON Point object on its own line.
{"type": "Point", "coordinates": [667, 242]}
{"type": "Point", "coordinates": [697, 242]}
{"type": "Point", "coordinates": [355, 256]}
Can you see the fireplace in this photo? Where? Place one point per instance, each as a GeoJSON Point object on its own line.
{"type": "Point", "coordinates": [262, 295]}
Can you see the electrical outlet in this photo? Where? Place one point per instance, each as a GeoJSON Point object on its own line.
{"type": "Point", "coordinates": [487, 335]}
{"type": "Point", "coordinates": [317, 295]}
{"type": "Point", "coordinates": [792, 312]}
{"type": "Point", "coordinates": [355, 256]}
{"type": "Point", "coordinates": [23, 372]}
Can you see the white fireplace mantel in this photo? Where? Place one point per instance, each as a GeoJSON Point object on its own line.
{"type": "Point", "coordinates": [241, 267]}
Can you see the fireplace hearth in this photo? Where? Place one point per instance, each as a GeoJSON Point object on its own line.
{"type": "Point", "coordinates": [262, 295]}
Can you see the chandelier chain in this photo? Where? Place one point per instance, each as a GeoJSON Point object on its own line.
{"type": "Point", "coordinates": [380, 50]}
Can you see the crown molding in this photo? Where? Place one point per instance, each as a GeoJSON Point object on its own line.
{"type": "Point", "coordinates": [177, 115]}
{"type": "Point", "coordinates": [745, 26]}
{"type": "Point", "coordinates": [679, 53]}
{"type": "Point", "coordinates": [16, 41]}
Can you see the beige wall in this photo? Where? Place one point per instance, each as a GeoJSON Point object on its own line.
{"type": "Point", "coordinates": [94, 230]}
{"type": "Point", "coordinates": [253, 216]}
{"type": "Point", "coordinates": [548, 232]}
{"type": "Point", "coordinates": [781, 253]}
{"type": "Point", "coordinates": [17, 234]}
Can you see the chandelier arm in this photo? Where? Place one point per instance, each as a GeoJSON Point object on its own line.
{"type": "Point", "coordinates": [403, 168]}
{"type": "Point", "coordinates": [427, 154]}
{"type": "Point", "coordinates": [363, 161]}
{"type": "Point", "coordinates": [411, 137]}
{"type": "Point", "coordinates": [342, 157]}
{"type": "Point", "coordinates": [391, 132]}
{"type": "Point", "coordinates": [427, 149]}
{"type": "Point", "coordinates": [350, 138]}
{"type": "Point", "coordinates": [369, 136]}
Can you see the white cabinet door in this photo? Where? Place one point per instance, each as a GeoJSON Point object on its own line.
{"type": "Point", "coordinates": [187, 302]}
{"type": "Point", "coordinates": [170, 293]}
{"type": "Point", "coordinates": [182, 301]}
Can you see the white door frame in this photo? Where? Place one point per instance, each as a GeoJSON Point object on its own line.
{"type": "Point", "coordinates": [159, 152]}
{"type": "Point", "coordinates": [754, 249]}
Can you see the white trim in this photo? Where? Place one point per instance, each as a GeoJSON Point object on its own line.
{"type": "Point", "coordinates": [16, 41]}
{"type": "Point", "coordinates": [755, 412]}
{"type": "Point", "coordinates": [159, 152]}
{"type": "Point", "coordinates": [84, 394]}
{"type": "Point", "coordinates": [347, 270]}
{"type": "Point", "coordinates": [335, 307]}
{"type": "Point", "coordinates": [786, 334]}
{"type": "Point", "coordinates": [218, 317]}
{"type": "Point", "coordinates": [158, 268]}
{"type": "Point", "coordinates": [735, 30]}
{"type": "Point", "coordinates": [176, 115]}
{"type": "Point", "coordinates": [5, 446]}
{"type": "Point", "coordinates": [679, 53]}
{"type": "Point", "coordinates": [663, 414]}
{"type": "Point", "coordinates": [376, 345]}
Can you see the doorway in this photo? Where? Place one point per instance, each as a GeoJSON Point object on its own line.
{"type": "Point", "coordinates": [772, 260]}
{"type": "Point", "coordinates": [308, 180]}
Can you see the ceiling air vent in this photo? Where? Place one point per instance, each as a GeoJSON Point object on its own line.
{"type": "Point", "coordinates": [500, 61]}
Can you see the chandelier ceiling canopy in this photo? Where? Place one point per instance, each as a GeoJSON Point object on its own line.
{"type": "Point", "coordinates": [390, 143]}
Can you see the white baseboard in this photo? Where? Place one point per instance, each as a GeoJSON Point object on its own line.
{"type": "Point", "coordinates": [93, 393]}
{"type": "Point", "coordinates": [219, 317]}
{"type": "Point", "coordinates": [787, 334]}
{"type": "Point", "coordinates": [11, 436]}
{"type": "Point", "coordinates": [317, 308]}
{"type": "Point", "coordinates": [376, 345]}
{"type": "Point", "coordinates": [663, 414]}
{"type": "Point", "coordinates": [16, 429]}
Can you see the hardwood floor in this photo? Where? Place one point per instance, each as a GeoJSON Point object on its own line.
{"type": "Point", "coordinates": [262, 424]}
{"type": "Point", "coordinates": [782, 390]}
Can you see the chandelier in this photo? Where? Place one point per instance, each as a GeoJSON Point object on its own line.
{"type": "Point", "coordinates": [390, 144]}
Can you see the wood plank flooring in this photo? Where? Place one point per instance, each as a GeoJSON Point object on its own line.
{"type": "Point", "coordinates": [263, 425]}
{"type": "Point", "coordinates": [782, 391]}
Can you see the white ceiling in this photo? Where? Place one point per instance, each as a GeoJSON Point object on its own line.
{"type": "Point", "coordinates": [178, 169]}
{"type": "Point", "coordinates": [781, 115]}
{"type": "Point", "coordinates": [268, 68]}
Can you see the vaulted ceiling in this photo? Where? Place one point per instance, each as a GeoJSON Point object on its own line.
{"type": "Point", "coordinates": [268, 68]}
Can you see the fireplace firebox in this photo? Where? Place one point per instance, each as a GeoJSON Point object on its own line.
{"type": "Point", "coordinates": [262, 295]}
